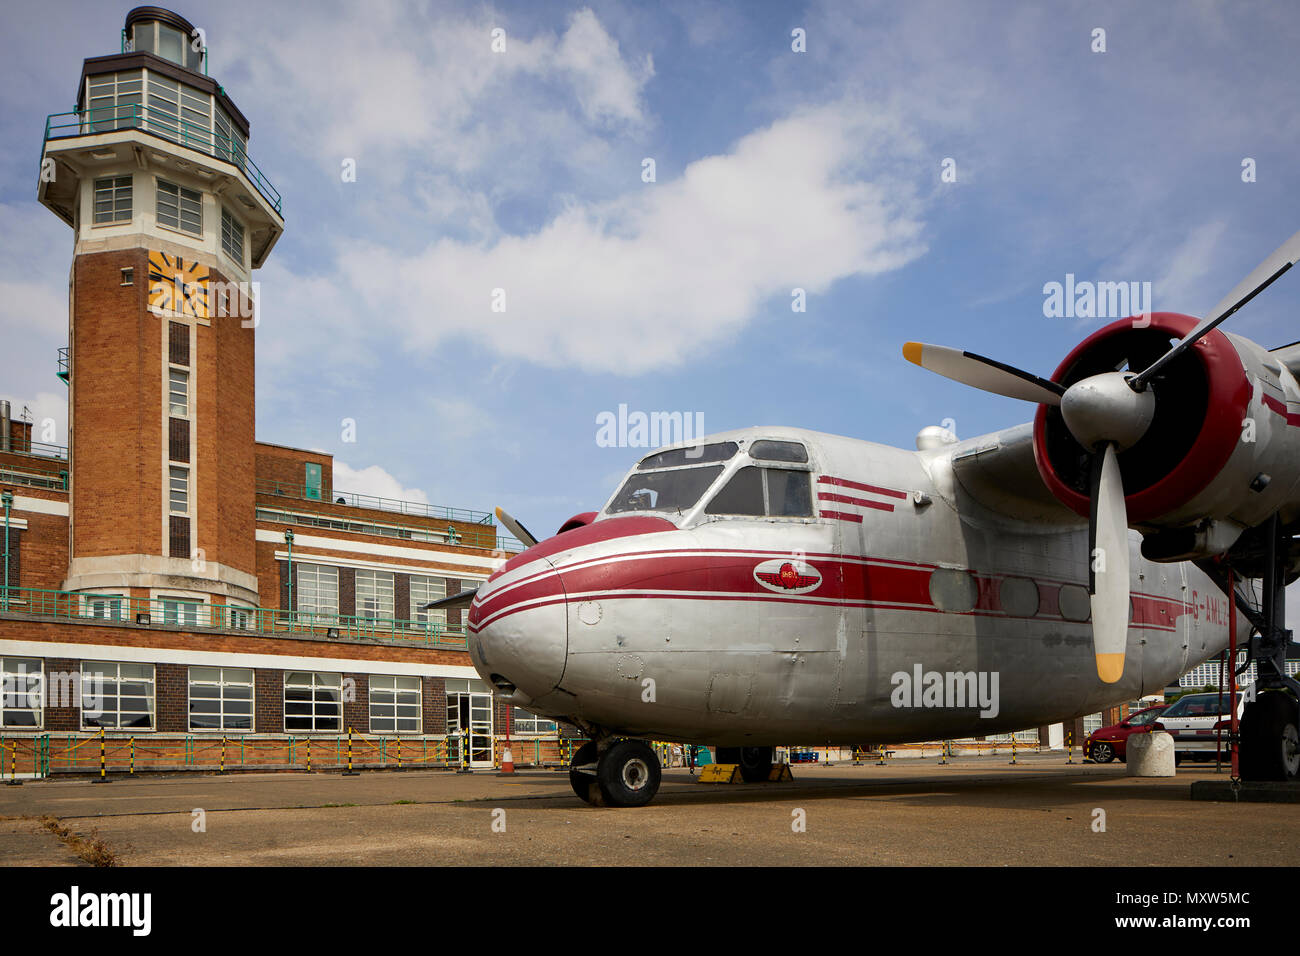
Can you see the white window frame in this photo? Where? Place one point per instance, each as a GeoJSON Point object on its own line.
{"type": "Point", "coordinates": [188, 611]}
{"type": "Point", "coordinates": [232, 236]}
{"type": "Point", "coordinates": [12, 671]}
{"type": "Point", "coordinates": [178, 489]}
{"type": "Point", "coordinates": [322, 580]}
{"type": "Point", "coordinates": [183, 194]}
{"type": "Point", "coordinates": [526, 724]}
{"type": "Point", "coordinates": [315, 682]}
{"type": "Point", "coordinates": [226, 678]}
{"type": "Point", "coordinates": [399, 691]}
{"type": "Point", "coordinates": [111, 686]}
{"type": "Point", "coordinates": [426, 588]}
{"type": "Point", "coordinates": [172, 372]}
{"type": "Point", "coordinates": [115, 186]}
{"type": "Point", "coordinates": [379, 590]}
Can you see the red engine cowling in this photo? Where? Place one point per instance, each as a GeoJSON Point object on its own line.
{"type": "Point", "coordinates": [1201, 400]}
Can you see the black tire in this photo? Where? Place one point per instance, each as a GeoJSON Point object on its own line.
{"type": "Point", "coordinates": [1270, 738]}
{"type": "Point", "coordinates": [1102, 752]}
{"type": "Point", "coordinates": [584, 782]}
{"type": "Point", "coordinates": [755, 764]}
{"type": "Point", "coordinates": [628, 774]}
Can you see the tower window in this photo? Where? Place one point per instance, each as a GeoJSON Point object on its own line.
{"type": "Point", "coordinates": [128, 276]}
{"type": "Point", "coordinates": [232, 236]}
{"type": "Point", "coordinates": [113, 199]}
{"type": "Point", "coordinates": [180, 208]}
{"type": "Point", "coordinates": [179, 392]}
{"type": "Point", "coordinates": [180, 490]}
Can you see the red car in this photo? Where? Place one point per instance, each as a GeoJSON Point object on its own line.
{"type": "Point", "coordinates": [1107, 743]}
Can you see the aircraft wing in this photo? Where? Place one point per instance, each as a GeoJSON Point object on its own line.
{"type": "Point", "coordinates": [998, 471]}
{"type": "Point", "coordinates": [1289, 355]}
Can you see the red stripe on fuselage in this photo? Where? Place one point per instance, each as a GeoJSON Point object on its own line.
{"type": "Point", "coordinates": [707, 575]}
{"type": "Point", "coordinates": [1280, 407]}
{"type": "Point", "coordinates": [874, 489]}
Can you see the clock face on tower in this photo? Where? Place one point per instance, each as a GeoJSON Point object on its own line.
{"type": "Point", "coordinates": [177, 286]}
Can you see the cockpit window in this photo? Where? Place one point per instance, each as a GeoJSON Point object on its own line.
{"type": "Point", "coordinates": [775, 492]}
{"type": "Point", "coordinates": [676, 490]}
{"type": "Point", "coordinates": [742, 495]}
{"type": "Point", "coordinates": [690, 455]}
{"type": "Point", "coordinates": [770, 450]}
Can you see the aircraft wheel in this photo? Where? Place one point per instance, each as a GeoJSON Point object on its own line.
{"type": "Point", "coordinates": [582, 774]}
{"type": "Point", "coordinates": [755, 764]}
{"type": "Point", "coordinates": [1102, 752]}
{"type": "Point", "coordinates": [628, 774]}
{"type": "Point", "coordinates": [1270, 739]}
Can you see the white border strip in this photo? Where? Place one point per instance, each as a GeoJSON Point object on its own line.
{"type": "Point", "coordinates": [167, 655]}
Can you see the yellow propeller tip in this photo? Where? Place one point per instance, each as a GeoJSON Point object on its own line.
{"type": "Point", "coordinates": [912, 352]}
{"type": "Point", "coordinates": [1110, 667]}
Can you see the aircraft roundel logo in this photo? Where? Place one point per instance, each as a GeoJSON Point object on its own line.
{"type": "Point", "coordinates": [787, 576]}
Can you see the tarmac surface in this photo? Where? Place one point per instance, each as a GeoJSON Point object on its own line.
{"type": "Point", "coordinates": [973, 811]}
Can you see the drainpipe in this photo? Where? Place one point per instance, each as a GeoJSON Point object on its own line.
{"type": "Point", "coordinates": [8, 498]}
{"type": "Point", "coordinates": [288, 542]}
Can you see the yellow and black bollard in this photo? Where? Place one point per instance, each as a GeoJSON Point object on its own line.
{"type": "Point", "coordinates": [13, 763]}
{"type": "Point", "coordinates": [1013, 749]}
{"type": "Point", "coordinates": [309, 755]}
{"type": "Point", "coordinates": [103, 772]}
{"type": "Point", "coordinates": [880, 750]}
{"type": "Point", "coordinates": [350, 772]}
{"type": "Point", "coordinates": [223, 754]}
{"type": "Point", "coordinates": [133, 756]}
{"type": "Point", "coordinates": [943, 753]}
{"type": "Point", "coordinates": [1069, 746]}
{"type": "Point", "coordinates": [399, 753]}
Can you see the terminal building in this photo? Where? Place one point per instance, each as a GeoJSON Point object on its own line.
{"type": "Point", "coordinates": [166, 574]}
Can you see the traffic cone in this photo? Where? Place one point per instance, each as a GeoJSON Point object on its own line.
{"type": "Point", "coordinates": [507, 760]}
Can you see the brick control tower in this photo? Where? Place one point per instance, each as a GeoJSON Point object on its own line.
{"type": "Point", "coordinates": [170, 216]}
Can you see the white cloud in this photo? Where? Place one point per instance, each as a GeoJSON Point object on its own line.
{"type": "Point", "coordinates": [374, 480]}
{"type": "Point", "coordinates": [662, 272]}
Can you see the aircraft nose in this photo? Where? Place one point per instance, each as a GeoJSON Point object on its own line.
{"type": "Point", "coordinates": [518, 631]}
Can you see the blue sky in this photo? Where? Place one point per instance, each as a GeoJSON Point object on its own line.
{"type": "Point", "coordinates": [774, 169]}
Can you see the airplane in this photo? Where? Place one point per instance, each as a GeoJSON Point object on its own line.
{"type": "Point", "coordinates": [770, 585]}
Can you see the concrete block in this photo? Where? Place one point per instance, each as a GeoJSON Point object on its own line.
{"type": "Point", "coordinates": [1151, 755]}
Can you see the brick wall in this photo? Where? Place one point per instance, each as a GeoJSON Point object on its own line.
{"type": "Point", "coordinates": [433, 701]}
{"type": "Point", "coordinates": [356, 712]}
{"type": "Point", "coordinates": [115, 408]}
{"type": "Point", "coordinates": [67, 718]}
{"type": "Point", "coordinates": [286, 466]}
{"type": "Point", "coordinates": [43, 547]}
{"type": "Point", "coordinates": [268, 701]}
{"type": "Point", "coordinates": [172, 697]}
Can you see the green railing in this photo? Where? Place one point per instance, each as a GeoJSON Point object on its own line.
{"type": "Point", "coordinates": [38, 449]}
{"type": "Point", "coordinates": [486, 540]}
{"type": "Point", "coordinates": [185, 615]}
{"type": "Point", "coordinates": [105, 119]}
{"type": "Point", "coordinates": [29, 479]}
{"type": "Point", "coordinates": [287, 489]}
{"type": "Point", "coordinates": [65, 365]}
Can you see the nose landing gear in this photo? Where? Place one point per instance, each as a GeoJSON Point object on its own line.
{"type": "Point", "coordinates": [622, 773]}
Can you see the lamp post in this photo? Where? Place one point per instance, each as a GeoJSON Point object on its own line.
{"type": "Point", "coordinates": [288, 543]}
{"type": "Point", "coordinates": [8, 498]}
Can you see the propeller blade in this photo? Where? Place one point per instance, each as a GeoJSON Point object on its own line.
{"type": "Point", "coordinates": [986, 374]}
{"type": "Point", "coordinates": [460, 600]}
{"type": "Point", "coordinates": [517, 529]}
{"type": "Point", "coordinates": [1108, 566]}
{"type": "Point", "coordinates": [1264, 275]}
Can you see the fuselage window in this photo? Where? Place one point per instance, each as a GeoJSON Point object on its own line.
{"type": "Point", "coordinates": [674, 491]}
{"type": "Point", "coordinates": [691, 455]}
{"type": "Point", "coordinates": [774, 492]}
{"type": "Point", "coordinates": [742, 495]}
{"type": "Point", "coordinates": [769, 450]}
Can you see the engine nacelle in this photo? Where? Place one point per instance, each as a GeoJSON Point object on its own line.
{"type": "Point", "coordinates": [1222, 453]}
